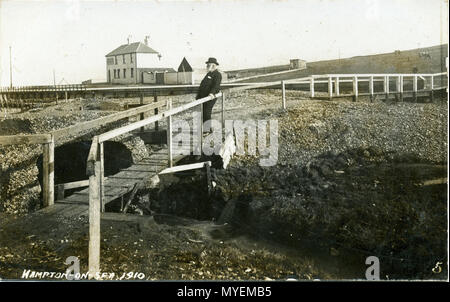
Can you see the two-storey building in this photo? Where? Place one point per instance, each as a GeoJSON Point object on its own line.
{"type": "Point", "coordinates": [127, 63]}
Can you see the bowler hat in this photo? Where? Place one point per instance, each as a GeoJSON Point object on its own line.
{"type": "Point", "coordinates": [212, 60]}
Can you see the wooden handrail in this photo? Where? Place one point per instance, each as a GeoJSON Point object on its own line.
{"type": "Point", "coordinates": [185, 167]}
{"type": "Point", "coordinates": [253, 86]}
{"type": "Point", "coordinates": [125, 129]}
{"type": "Point", "coordinates": [105, 120]}
{"type": "Point", "coordinates": [377, 75]}
{"type": "Point", "coordinates": [74, 184]}
{"type": "Point", "coordinates": [25, 139]}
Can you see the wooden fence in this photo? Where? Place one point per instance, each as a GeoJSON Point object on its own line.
{"type": "Point", "coordinates": [334, 82]}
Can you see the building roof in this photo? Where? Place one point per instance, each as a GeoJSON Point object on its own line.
{"type": "Point", "coordinates": [137, 47]}
{"type": "Point", "coordinates": [185, 66]}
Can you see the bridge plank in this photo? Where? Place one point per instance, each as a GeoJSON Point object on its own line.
{"type": "Point", "coordinates": [123, 182]}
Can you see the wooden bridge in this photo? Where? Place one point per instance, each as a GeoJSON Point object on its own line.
{"type": "Point", "coordinates": [392, 84]}
{"type": "Point", "coordinates": [25, 97]}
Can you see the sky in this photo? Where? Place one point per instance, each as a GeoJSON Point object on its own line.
{"type": "Point", "coordinates": [70, 38]}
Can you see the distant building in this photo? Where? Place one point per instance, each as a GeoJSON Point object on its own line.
{"type": "Point", "coordinates": [185, 66]}
{"type": "Point", "coordinates": [186, 74]}
{"type": "Point", "coordinates": [155, 75]}
{"type": "Point", "coordinates": [297, 64]}
{"type": "Point", "coordinates": [131, 63]}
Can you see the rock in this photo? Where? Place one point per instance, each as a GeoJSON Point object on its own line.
{"type": "Point", "coordinates": [227, 213]}
{"type": "Point", "coordinates": [325, 170]}
{"type": "Point", "coordinates": [316, 127]}
{"type": "Point", "coordinates": [334, 252]}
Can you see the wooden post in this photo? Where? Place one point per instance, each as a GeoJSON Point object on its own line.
{"type": "Point", "coordinates": [371, 88]}
{"type": "Point", "coordinates": [311, 86]}
{"type": "Point", "coordinates": [20, 103]}
{"type": "Point", "coordinates": [141, 102]}
{"type": "Point", "coordinates": [48, 169]}
{"type": "Point", "coordinates": [208, 176]}
{"type": "Point", "coordinates": [330, 88]}
{"type": "Point", "coordinates": [415, 88]}
{"type": "Point", "coordinates": [431, 87]}
{"type": "Point", "coordinates": [200, 132]}
{"type": "Point", "coordinates": [94, 221]}
{"type": "Point", "coordinates": [283, 94]}
{"type": "Point", "coordinates": [355, 87]}
{"type": "Point", "coordinates": [169, 134]}
{"type": "Point", "coordinates": [102, 177]}
{"type": "Point", "coordinates": [60, 192]}
{"type": "Point", "coordinates": [336, 86]}
{"type": "Point", "coordinates": [386, 87]}
{"type": "Point", "coordinates": [399, 88]}
{"type": "Point", "coordinates": [155, 99]}
{"type": "Point", "coordinates": [223, 112]}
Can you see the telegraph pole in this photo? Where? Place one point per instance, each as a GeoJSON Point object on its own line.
{"type": "Point", "coordinates": [10, 68]}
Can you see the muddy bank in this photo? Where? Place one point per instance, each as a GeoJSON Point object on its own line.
{"type": "Point", "coordinates": [352, 205]}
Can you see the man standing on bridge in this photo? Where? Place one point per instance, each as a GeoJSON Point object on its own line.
{"type": "Point", "coordinates": [209, 86]}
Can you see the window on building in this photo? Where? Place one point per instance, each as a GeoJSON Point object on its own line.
{"type": "Point", "coordinates": [131, 57]}
{"type": "Point", "coordinates": [123, 59]}
{"type": "Point", "coordinates": [118, 73]}
{"type": "Point", "coordinates": [132, 72]}
{"type": "Point", "coordinates": [124, 73]}
{"type": "Point", "coordinates": [115, 60]}
{"type": "Point", "coordinates": [115, 73]}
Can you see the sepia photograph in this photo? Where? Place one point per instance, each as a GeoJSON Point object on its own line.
{"type": "Point", "coordinates": [268, 141]}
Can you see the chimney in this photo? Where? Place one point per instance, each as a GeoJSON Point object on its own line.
{"type": "Point", "coordinates": [146, 40]}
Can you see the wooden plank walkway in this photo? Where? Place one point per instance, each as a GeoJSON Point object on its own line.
{"type": "Point", "coordinates": [118, 185]}
{"type": "Point", "coordinates": [123, 182]}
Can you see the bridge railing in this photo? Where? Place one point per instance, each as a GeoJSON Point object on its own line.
{"type": "Point", "coordinates": [25, 96]}
{"type": "Point", "coordinates": [334, 82]}
{"type": "Point", "coordinates": [166, 115]}
{"type": "Point", "coordinates": [44, 88]}
{"type": "Point", "coordinates": [95, 162]}
{"type": "Point", "coordinates": [49, 140]}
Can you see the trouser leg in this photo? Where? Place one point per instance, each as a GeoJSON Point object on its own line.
{"type": "Point", "coordinates": [207, 110]}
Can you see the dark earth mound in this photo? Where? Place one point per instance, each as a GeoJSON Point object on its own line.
{"type": "Point", "coordinates": [15, 126]}
{"type": "Point", "coordinates": [358, 203]}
